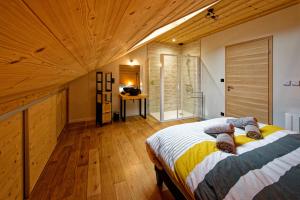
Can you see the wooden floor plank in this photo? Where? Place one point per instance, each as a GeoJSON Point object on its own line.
{"type": "Point", "coordinates": [84, 151]}
{"type": "Point", "coordinates": [122, 191]}
{"type": "Point", "coordinates": [108, 162]}
{"type": "Point", "coordinates": [94, 180]}
{"type": "Point", "coordinates": [67, 186]}
{"type": "Point", "coordinates": [107, 185]}
{"type": "Point", "coordinates": [81, 176]}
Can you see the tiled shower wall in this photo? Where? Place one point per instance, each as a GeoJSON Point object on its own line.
{"type": "Point", "coordinates": [190, 84]}
{"type": "Point", "coordinates": [170, 83]}
{"type": "Point", "coordinates": [154, 52]}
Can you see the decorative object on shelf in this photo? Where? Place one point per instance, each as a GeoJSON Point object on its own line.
{"type": "Point", "coordinates": [103, 98]}
{"type": "Point", "coordinates": [108, 81]}
{"type": "Point", "coordinates": [99, 81]}
{"type": "Point", "coordinates": [99, 77]}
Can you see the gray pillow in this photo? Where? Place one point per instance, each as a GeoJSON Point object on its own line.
{"type": "Point", "coordinates": [242, 122]}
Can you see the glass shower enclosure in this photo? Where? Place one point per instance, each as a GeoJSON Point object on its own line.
{"type": "Point", "coordinates": [174, 87]}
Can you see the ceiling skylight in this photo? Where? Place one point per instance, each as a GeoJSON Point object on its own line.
{"type": "Point", "coordinates": [172, 25]}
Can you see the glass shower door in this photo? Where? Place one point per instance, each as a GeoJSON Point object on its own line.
{"type": "Point", "coordinates": [190, 86]}
{"type": "Point", "coordinates": [174, 87]}
{"type": "Point", "coordinates": [154, 88]}
{"type": "Point", "coordinates": [170, 97]}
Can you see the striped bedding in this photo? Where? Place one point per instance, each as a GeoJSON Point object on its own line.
{"type": "Point", "coordinates": [261, 169]}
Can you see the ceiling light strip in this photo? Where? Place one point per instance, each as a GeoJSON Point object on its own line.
{"type": "Point", "coordinates": [172, 25]}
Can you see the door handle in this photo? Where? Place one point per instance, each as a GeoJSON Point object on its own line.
{"type": "Point", "coordinates": [229, 88]}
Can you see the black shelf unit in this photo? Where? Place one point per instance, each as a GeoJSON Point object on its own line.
{"type": "Point", "coordinates": [103, 98]}
{"type": "Point", "coordinates": [99, 97]}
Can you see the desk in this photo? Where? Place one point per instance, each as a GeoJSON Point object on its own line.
{"type": "Point", "coordinates": [125, 97]}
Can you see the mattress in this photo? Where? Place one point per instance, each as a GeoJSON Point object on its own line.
{"type": "Point", "coordinates": [260, 169]}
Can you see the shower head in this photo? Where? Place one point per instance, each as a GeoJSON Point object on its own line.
{"type": "Point", "coordinates": [188, 60]}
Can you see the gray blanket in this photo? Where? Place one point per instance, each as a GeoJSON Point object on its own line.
{"type": "Point", "coordinates": [271, 172]}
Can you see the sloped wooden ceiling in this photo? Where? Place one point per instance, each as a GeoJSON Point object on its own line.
{"type": "Point", "coordinates": [229, 13]}
{"type": "Point", "coordinates": [50, 42]}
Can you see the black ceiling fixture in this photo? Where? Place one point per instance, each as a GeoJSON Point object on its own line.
{"type": "Point", "coordinates": [211, 14]}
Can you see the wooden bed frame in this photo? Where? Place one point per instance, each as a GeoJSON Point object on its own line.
{"type": "Point", "coordinates": [163, 177]}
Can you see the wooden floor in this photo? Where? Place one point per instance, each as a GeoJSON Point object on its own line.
{"type": "Point", "coordinates": [103, 163]}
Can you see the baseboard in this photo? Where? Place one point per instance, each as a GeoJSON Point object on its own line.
{"type": "Point", "coordinates": [90, 119]}
{"type": "Point", "coordinates": [81, 124]}
{"type": "Point", "coordinates": [80, 120]}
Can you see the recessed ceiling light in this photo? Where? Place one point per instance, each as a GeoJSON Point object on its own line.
{"type": "Point", "coordinates": [173, 40]}
{"type": "Point", "coordinates": [172, 25]}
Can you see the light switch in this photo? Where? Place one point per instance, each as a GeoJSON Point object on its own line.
{"type": "Point", "coordinates": [287, 83]}
{"type": "Point", "coordinates": [295, 83]}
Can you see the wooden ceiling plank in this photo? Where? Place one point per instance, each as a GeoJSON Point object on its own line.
{"type": "Point", "coordinates": [191, 30]}
{"type": "Point", "coordinates": [131, 24]}
{"type": "Point", "coordinates": [204, 3]}
{"type": "Point", "coordinates": [172, 14]}
{"type": "Point", "coordinates": [13, 55]}
{"type": "Point", "coordinates": [29, 50]}
{"type": "Point", "coordinates": [177, 8]}
{"type": "Point", "coordinates": [201, 21]}
{"type": "Point", "coordinates": [240, 21]}
{"type": "Point", "coordinates": [233, 13]}
{"type": "Point", "coordinates": [22, 76]}
{"type": "Point", "coordinates": [139, 26]}
{"type": "Point", "coordinates": [191, 8]}
{"type": "Point", "coordinates": [21, 32]}
{"type": "Point", "coordinates": [55, 15]}
{"type": "Point", "coordinates": [196, 21]}
{"type": "Point", "coordinates": [247, 19]}
{"type": "Point", "coordinates": [225, 7]}
{"type": "Point", "coordinates": [113, 25]}
{"type": "Point", "coordinates": [51, 42]}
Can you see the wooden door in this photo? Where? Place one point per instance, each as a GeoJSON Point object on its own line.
{"type": "Point", "coordinates": [248, 79]}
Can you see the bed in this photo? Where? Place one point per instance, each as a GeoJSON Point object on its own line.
{"type": "Point", "coordinates": [187, 160]}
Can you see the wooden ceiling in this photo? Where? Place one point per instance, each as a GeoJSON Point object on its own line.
{"type": "Point", "coordinates": [44, 43]}
{"type": "Point", "coordinates": [50, 42]}
{"type": "Point", "coordinates": [229, 13]}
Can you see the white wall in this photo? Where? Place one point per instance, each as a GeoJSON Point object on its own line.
{"type": "Point", "coordinates": [82, 98]}
{"type": "Point", "coordinates": [284, 25]}
{"type": "Point", "coordinates": [82, 101]}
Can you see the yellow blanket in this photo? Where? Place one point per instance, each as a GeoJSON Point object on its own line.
{"type": "Point", "coordinates": [197, 153]}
